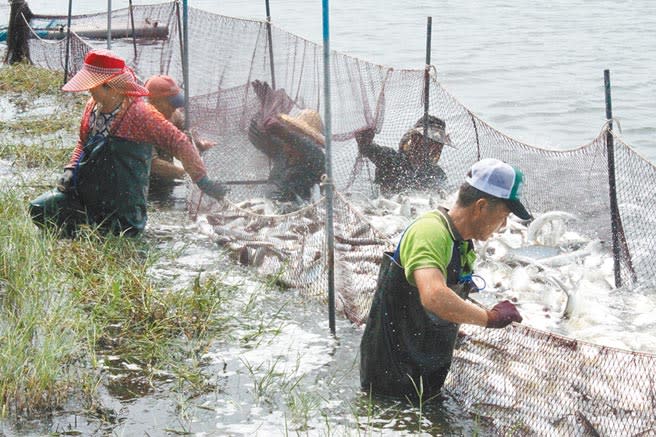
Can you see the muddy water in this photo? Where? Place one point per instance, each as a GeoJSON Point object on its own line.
{"type": "Point", "coordinates": [275, 371]}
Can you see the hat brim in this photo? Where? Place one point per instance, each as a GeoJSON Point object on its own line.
{"type": "Point", "coordinates": [434, 134]}
{"type": "Point", "coordinates": [302, 127]}
{"type": "Point", "coordinates": [516, 207]}
{"type": "Point", "coordinates": [86, 79]}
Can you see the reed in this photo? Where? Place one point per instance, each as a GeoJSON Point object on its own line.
{"type": "Point", "coordinates": [28, 79]}
{"type": "Point", "coordinates": [64, 304]}
{"type": "Point", "coordinates": [45, 155]}
{"type": "Point", "coordinates": [40, 337]}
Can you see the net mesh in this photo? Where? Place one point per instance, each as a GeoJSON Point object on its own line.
{"type": "Point", "coordinates": [520, 378]}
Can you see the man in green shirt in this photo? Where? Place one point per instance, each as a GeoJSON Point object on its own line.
{"type": "Point", "coordinates": [420, 301]}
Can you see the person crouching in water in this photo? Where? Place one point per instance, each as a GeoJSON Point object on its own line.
{"type": "Point", "coordinates": [420, 301]}
{"type": "Point", "coordinates": [415, 165]}
{"type": "Point", "coordinates": [167, 97]}
{"type": "Point", "coordinates": [105, 182]}
{"type": "Point", "coordinates": [294, 144]}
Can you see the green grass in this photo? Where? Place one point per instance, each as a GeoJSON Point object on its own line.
{"type": "Point", "coordinates": [35, 155]}
{"type": "Point", "coordinates": [28, 79]}
{"type": "Point", "coordinates": [43, 110]}
{"type": "Point", "coordinates": [63, 302]}
{"type": "Point", "coordinates": [61, 119]}
{"type": "Point", "coordinates": [67, 304]}
{"type": "Point", "coordinates": [39, 336]}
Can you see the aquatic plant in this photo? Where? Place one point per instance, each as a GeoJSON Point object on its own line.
{"type": "Point", "coordinates": [44, 155]}
{"type": "Point", "coordinates": [65, 304]}
{"type": "Point", "coordinates": [26, 78]}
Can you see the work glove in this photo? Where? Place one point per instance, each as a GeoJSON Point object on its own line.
{"type": "Point", "coordinates": [502, 315]}
{"type": "Point", "coordinates": [273, 102]}
{"type": "Point", "coordinates": [262, 89]}
{"type": "Point", "coordinates": [212, 188]}
{"type": "Point", "coordinates": [364, 137]}
{"type": "Point", "coordinates": [65, 181]}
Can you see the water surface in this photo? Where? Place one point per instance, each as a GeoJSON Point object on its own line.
{"type": "Point", "coordinates": [533, 70]}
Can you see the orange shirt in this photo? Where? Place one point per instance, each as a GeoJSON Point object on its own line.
{"type": "Point", "coordinates": [140, 122]}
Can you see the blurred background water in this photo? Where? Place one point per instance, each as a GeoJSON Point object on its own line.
{"type": "Point", "coordinates": [533, 70]}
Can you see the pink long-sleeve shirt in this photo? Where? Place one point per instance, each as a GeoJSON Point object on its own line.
{"type": "Point", "coordinates": [138, 121]}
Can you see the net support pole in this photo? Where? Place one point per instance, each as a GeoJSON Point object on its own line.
{"type": "Point", "coordinates": [109, 24]}
{"type": "Point", "coordinates": [330, 243]}
{"type": "Point", "coordinates": [178, 17]}
{"type": "Point", "coordinates": [185, 59]}
{"type": "Point", "coordinates": [270, 39]}
{"type": "Point", "coordinates": [612, 186]}
{"type": "Point", "coordinates": [134, 36]}
{"type": "Point", "coordinates": [68, 40]}
{"type": "Point", "coordinates": [429, 27]}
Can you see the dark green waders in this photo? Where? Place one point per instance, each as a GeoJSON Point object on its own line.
{"type": "Point", "coordinates": [111, 186]}
{"type": "Point", "coordinates": [403, 342]}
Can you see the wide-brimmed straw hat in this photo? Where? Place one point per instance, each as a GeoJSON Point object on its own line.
{"type": "Point", "coordinates": [102, 66]}
{"type": "Point", "coordinates": [307, 122]}
{"type": "Point", "coordinates": [165, 86]}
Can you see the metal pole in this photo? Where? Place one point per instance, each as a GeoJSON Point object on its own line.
{"type": "Point", "coordinates": [134, 36]}
{"type": "Point", "coordinates": [185, 59]}
{"type": "Point", "coordinates": [179, 21]}
{"type": "Point", "coordinates": [268, 26]}
{"type": "Point", "coordinates": [330, 243]}
{"type": "Point", "coordinates": [614, 210]}
{"type": "Point", "coordinates": [68, 39]}
{"type": "Point", "coordinates": [429, 26]}
{"type": "Point", "coordinates": [109, 24]}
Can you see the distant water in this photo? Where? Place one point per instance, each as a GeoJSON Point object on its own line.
{"type": "Point", "coordinates": [534, 70]}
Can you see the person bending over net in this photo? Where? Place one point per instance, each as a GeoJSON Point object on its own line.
{"type": "Point", "coordinates": [294, 144]}
{"type": "Point", "coordinates": [167, 97]}
{"type": "Point", "coordinates": [415, 165]}
{"type": "Point", "coordinates": [105, 182]}
{"type": "Point", "coordinates": [420, 300]}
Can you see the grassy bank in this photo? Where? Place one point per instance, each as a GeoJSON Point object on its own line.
{"type": "Point", "coordinates": [68, 305]}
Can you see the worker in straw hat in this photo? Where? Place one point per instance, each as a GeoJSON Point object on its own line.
{"type": "Point", "coordinates": [294, 143]}
{"type": "Point", "coordinates": [415, 165]}
{"type": "Point", "coordinates": [105, 182]}
{"type": "Point", "coordinates": [408, 342]}
{"type": "Point", "coordinates": [167, 97]}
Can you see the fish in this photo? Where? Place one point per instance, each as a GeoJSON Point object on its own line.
{"type": "Point", "coordinates": [553, 218]}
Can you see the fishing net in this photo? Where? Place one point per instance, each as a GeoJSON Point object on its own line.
{"type": "Point", "coordinates": [493, 369]}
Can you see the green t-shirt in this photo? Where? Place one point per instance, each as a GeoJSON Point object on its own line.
{"type": "Point", "coordinates": [428, 243]}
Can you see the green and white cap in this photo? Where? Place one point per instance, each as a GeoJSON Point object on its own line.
{"type": "Point", "coordinates": [501, 180]}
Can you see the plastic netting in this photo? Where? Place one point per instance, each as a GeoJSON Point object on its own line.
{"type": "Point", "coordinates": [575, 388]}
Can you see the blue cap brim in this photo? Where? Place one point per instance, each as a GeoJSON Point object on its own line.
{"type": "Point", "coordinates": [177, 101]}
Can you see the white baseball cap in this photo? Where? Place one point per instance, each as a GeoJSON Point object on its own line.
{"type": "Point", "coordinates": [501, 180]}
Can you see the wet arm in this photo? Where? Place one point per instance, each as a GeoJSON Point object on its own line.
{"type": "Point", "coordinates": [381, 156]}
{"type": "Point", "coordinates": [165, 169]}
{"type": "Point", "coordinates": [161, 132]}
{"type": "Point", "coordinates": [263, 141]}
{"type": "Point", "coordinates": [439, 299]}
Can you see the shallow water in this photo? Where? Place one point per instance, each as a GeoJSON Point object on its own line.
{"type": "Point", "coordinates": [275, 371]}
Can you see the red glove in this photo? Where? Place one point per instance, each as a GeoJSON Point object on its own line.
{"type": "Point", "coordinates": [502, 315]}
